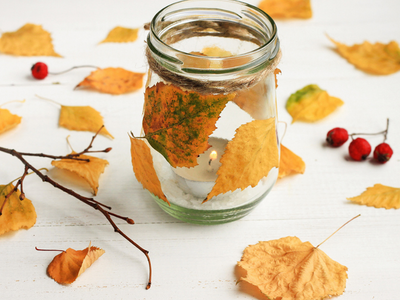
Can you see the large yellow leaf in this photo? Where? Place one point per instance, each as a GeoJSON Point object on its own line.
{"type": "Point", "coordinates": [178, 123]}
{"type": "Point", "coordinates": [378, 58]}
{"type": "Point", "coordinates": [121, 35]}
{"type": "Point", "coordinates": [16, 213]}
{"type": "Point", "coordinates": [89, 171]}
{"type": "Point", "coordinates": [379, 196]}
{"type": "Point", "coordinates": [289, 269]}
{"type": "Point", "coordinates": [311, 104]}
{"type": "Point", "coordinates": [8, 120]}
{"type": "Point", "coordinates": [282, 9]}
{"type": "Point", "coordinates": [142, 163]}
{"type": "Point", "coordinates": [249, 157]}
{"type": "Point", "coordinates": [290, 163]}
{"type": "Point", "coordinates": [82, 118]}
{"type": "Point", "coordinates": [114, 81]}
{"type": "Point", "coordinates": [67, 266]}
{"type": "Point", "coordinates": [29, 40]}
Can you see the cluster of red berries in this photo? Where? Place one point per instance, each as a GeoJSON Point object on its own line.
{"type": "Point", "coordinates": [359, 148]}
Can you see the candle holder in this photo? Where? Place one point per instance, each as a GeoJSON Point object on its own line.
{"type": "Point", "coordinates": [209, 146]}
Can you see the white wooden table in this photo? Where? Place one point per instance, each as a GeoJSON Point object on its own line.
{"type": "Point", "coordinates": [193, 261]}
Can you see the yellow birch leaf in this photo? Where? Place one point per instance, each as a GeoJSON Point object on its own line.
{"type": "Point", "coordinates": [290, 163]}
{"type": "Point", "coordinates": [379, 196]}
{"type": "Point", "coordinates": [377, 59]}
{"type": "Point", "coordinates": [16, 213]}
{"type": "Point", "coordinates": [67, 266]}
{"type": "Point", "coordinates": [177, 123]}
{"type": "Point", "coordinates": [89, 171]}
{"type": "Point", "coordinates": [142, 163]}
{"type": "Point", "coordinates": [285, 9]}
{"type": "Point", "coordinates": [29, 40]}
{"type": "Point", "coordinates": [248, 157]}
{"type": "Point", "coordinates": [289, 269]}
{"type": "Point", "coordinates": [8, 120]}
{"type": "Point", "coordinates": [311, 104]}
{"type": "Point", "coordinates": [121, 35]}
{"type": "Point", "coordinates": [113, 81]}
{"type": "Point", "coordinates": [82, 118]}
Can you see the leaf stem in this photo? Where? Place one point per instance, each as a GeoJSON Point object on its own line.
{"type": "Point", "coordinates": [70, 69]}
{"type": "Point", "coordinates": [38, 249]}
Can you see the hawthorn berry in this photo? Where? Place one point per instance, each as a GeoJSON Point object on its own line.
{"type": "Point", "coordinates": [359, 149]}
{"type": "Point", "coordinates": [337, 137]}
{"type": "Point", "coordinates": [383, 152]}
{"type": "Point", "coordinates": [39, 70]}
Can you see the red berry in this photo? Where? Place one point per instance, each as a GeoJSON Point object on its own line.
{"type": "Point", "coordinates": [337, 137]}
{"type": "Point", "coordinates": [383, 153]}
{"type": "Point", "coordinates": [39, 70]}
{"type": "Point", "coordinates": [359, 149]}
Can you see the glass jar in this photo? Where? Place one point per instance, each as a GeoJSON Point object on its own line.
{"type": "Point", "coordinates": [210, 114]}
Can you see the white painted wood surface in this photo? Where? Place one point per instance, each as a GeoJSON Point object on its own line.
{"type": "Point", "coordinates": [192, 261]}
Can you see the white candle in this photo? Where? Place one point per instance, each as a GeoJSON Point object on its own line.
{"type": "Point", "coordinates": [200, 179]}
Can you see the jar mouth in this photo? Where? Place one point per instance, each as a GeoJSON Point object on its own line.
{"type": "Point", "coordinates": [229, 19]}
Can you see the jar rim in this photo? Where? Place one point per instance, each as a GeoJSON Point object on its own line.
{"type": "Point", "coordinates": [259, 57]}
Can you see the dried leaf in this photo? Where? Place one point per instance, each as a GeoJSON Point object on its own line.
{"type": "Point", "coordinates": [377, 59]}
{"type": "Point", "coordinates": [82, 118]}
{"type": "Point", "coordinates": [114, 81]}
{"type": "Point", "coordinates": [121, 35]}
{"type": "Point", "coordinates": [178, 123]}
{"type": "Point", "coordinates": [142, 163]}
{"type": "Point", "coordinates": [285, 9]}
{"type": "Point", "coordinates": [290, 163]}
{"type": "Point", "coordinates": [311, 104]}
{"type": "Point", "coordinates": [379, 196]}
{"type": "Point", "coordinates": [89, 171]}
{"type": "Point", "coordinates": [67, 266]}
{"type": "Point", "coordinates": [17, 213]}
{"type": "Point", "coordinates": [249, 157]}
{"type": "Point", "coordinates": [290, 269]}
{"type": "Point", "coordinates": [8, 120]}
{"type": "Point", "coordinates": [29, 40]}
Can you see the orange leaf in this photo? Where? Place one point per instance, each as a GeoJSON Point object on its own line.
{"type": "Point", "coordinates": [70, 264]}
{"type": "Point", "coordinates": [311, 104]}
{"type": "Point", "coordinates": [89, 171]}
{"type": "Point", "coordinates": [142, 163]}
{"type": "Point", "coordinates": [17, 213]}
{"type": "Point", "coordinates": [82, 118]}
{"type": "Point", "coordinates": [114, 81]}
{"type": "Point", "coordinates": [29, 40]}
{"type": "Point", "coordinates": [379, 196]}
{"type": "Point", "coordinates": [178, 123]}
{"type": "Point", "coordinates": [282, 9]}
{"type": "Point", "coordinates": [290, 269]}
{"type": "Point", "coordinates": [121, 35]}
{"type": "Point", "coordinates": [378, 58]}
{"type": "Point", "coordinates": [290, 163]}
{"type": "Point", "coordinates": [8, 120]}
{"type": "Point", "coordinates": [249, 157]}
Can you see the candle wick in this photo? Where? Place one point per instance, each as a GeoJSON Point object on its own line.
{"type": "Point", "coordinates": [209, 162]}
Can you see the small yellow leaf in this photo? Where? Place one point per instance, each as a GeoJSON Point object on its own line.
{"type": "Point", "coordinates": [113, 81]}
{"type": "Point", "coordinates": [8, 120]}
{"type": "Point", "coordinates": [67, 266]}
{"type": "Point", "coordinates": [89, 171]}
{"type": "Point", "coordinates": [248, 157]}
{"type": "Point", "coordinates": [284, 9]}
{"type": "Point", "coordinates": [121, 35]}
{"type": "Point", "coordinates": [287, 268]}
{"type": "Point", "coordinates": [82, 118]}
{"type": "Point", "coordinates": [311, 104]}
{"type": "Point", "coordinates": [377, 59]}
{"type": "Point", "coordinates": [17, 213]}
{"type": "Point", "coordinates": [379, 196]}
{"type": "Point", "coordinates": [29, 40]}
{"type": "Point", "coordinates": [290, 163]}
{"type": "Point", "coordinates": [142, 163]}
